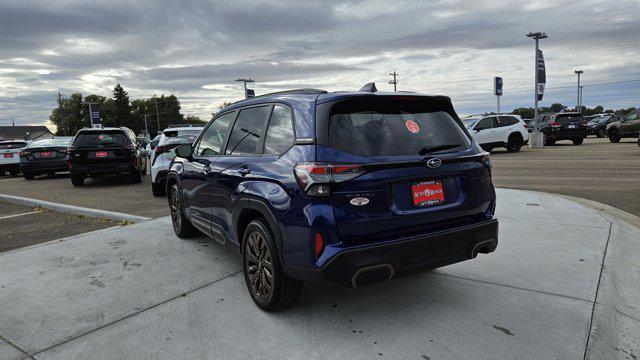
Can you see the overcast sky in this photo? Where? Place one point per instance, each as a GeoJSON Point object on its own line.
{"type": "Point", "coordinates": [195, 49]}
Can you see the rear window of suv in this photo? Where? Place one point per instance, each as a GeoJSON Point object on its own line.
{"type": "Point", "coordinates": [100, 139]}
{"type": "Point", "coordinates": [393, 126]}
{"type": "Point", "coordinates": [568, 119]}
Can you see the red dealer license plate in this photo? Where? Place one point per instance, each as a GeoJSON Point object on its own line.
{"type": "Point", "coordinates": [45, 153]}
{"type": "Point", "coordinates": [101, 154]}
{"type": "Point", "coordinates": [8, 155]}
{"type": "Point", "coordinates": [427, 193]}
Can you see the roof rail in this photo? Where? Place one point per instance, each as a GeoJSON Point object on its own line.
{"type": "Point", "coordinates": [308, 91]}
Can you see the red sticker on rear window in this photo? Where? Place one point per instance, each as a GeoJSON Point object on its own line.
{"type": "Point", "coordinates": [101, 137]}
{"type": "Point", "coordinates": [412, 126]}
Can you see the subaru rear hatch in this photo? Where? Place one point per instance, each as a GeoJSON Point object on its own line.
{"type": "Point", "coordinates": [400, 166]}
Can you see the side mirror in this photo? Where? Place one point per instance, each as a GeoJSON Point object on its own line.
{"type": "Point", "coordinates": [184, 151]}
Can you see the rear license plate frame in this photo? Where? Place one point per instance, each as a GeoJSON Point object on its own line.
{"type": "Point", "coordinates": [427, 193]}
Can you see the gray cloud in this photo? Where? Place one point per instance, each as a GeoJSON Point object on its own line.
{"type": "Point", "coordinates": [196, 49]}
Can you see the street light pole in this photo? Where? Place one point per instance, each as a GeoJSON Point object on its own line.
{"type": "Point", "coordinates": [536, 141]}
{"type": "Point", "coordinates": [245, 81]}
{"type": "Point", "coordinates": [578, 107]}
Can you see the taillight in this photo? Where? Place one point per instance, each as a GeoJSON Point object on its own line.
{"type": "Point", "coordinates": [315, 178]}
{"type": "Point", "coordinates": [24, 153]}
{"type": "Point", "coordinates": [555, 124]}
{"type": "Point", "coordinates": [158, 150]}
{"type": "Point", "coordinates": [318, 245]}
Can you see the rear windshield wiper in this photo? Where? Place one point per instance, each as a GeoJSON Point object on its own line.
{"type": "Point", "coordinates": [429, 150]}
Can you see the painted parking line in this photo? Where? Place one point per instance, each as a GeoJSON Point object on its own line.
{"type": "Point", "coordinates": [16, 215]}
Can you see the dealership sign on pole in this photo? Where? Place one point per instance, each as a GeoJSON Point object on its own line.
{"type": "Point", "coordinates": [542, 77]}
{"type": "Point", "coordinates": [497, 90]}
{"type": "Point", "coordinates": [96, 122]}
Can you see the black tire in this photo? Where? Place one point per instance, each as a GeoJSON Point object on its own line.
{"type": "Point", "coordinates": [259, 259]}
{"type": "Point", "coordinates": [546, 141]}
{"type": "Point", "coordinates": [601, 133]}
{"type": "Point", "coordinates": [136, 177]}
{"type": "Point", "coordinates": [514, 144]}
{"type": "Point", "coordinates": [77, 180]}
{"type": "Point", "coordinates": [614, 137]}
{"type": "Point", "coordinates": [181, 225]}
{"type": "Point", "coordinates": [158, 189]}
{"type": "Point", "coordinates": [577, 141]}
{"type": "Point", "coordinates": [486, 148]}
{"type": "Point", "coordinates": [14, 173]}
{"type": "Point", "coordinates": [28, 175]}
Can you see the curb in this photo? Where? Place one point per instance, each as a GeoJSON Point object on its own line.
{"type": "Point", "coordinates": [74, 210]}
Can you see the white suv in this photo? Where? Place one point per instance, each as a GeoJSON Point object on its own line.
{"type": "Point", "coordinates": [164, 152]}
{"type": "Point", "coordinates": [10, 156]}
{"type": "Point", "coordinates": [508, 131]}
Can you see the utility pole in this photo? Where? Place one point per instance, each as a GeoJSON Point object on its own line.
{"type": "Point", "coordinates": [394, 82]}
{"type": "Point", "coordinates": [536, 138]}
{"type": "Point", "coordinates": [578, 72]}
{"type": "Point", "coordinates": [245, 81]}
{"type": "Point", "coordinates": [64, 125]}
{"type": "Point", "coordinates": [581, 88]}
{"type": "Point", "coordinates": [146, 128]}
{"type": "Point", "coordinates": [157, 115]}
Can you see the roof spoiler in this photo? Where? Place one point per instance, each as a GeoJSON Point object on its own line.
{"type": "Point", "coordinates": [369, 87]}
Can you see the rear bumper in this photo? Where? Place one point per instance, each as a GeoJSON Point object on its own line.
{"type": "Point", "coordinates": [567, 135]}
{"type": "Point", "coordinates": [360, 265]}
{"type": "Point", "coordinates": [49, 165]}
{"type": "Point", "coordinates": [102, 169]}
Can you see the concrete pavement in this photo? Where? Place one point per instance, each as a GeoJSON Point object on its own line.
{"type": "Point", "coordinates": [140, 292]}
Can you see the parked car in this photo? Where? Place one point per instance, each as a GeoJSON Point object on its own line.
{"type": "Point", "coordinates": [348, 187]}
{"type": "Point", "coordinates": [598, 125]}
{"type": "Point", "coordinates": [10, 156]}
{"type": "Point", "coordinates": [627, 127]}
{"type": "Point", "coordinates": [508, 131]}
{"type": "Point", "coordinates": [152, 145]}
{"type": "Point", "coordinates": [563, 126]}
{"type": "Point", "coordinates": [163, 154]}
{"type": "Point", "coordinates": [96, 152]}
{"type": "Point", "coordinates": [47, 156]}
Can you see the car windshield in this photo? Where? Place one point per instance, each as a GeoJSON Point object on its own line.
{"type": "Point", "coordinates": [392, 126]}
{"type": "Point", "coordinates": [100, 138]}
{"type": "Point", "coordinates": [12, 145]}
{"type": "Point", "coordinates": [62, 142]}
{"type": "Point", "coordinates": [469, 122]}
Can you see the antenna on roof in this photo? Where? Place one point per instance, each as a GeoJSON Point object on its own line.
{"type": "Point", "coordinates": [369, 87]}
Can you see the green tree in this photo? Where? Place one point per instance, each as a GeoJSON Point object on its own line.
{"type": "Point", "coordinates": [69, 116]}
{"type": "Point", "coordinates": [122, 108]}
{"type": "Point", "coordinates": [557, 107]}
{"type": "Point", "coordinates": [194, 120]}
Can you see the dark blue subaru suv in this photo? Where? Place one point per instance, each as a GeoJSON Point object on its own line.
{"type": "Point", "coordinates": [345, 187]}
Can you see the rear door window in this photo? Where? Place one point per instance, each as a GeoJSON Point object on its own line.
{"type": "Point", "coordinates": [389, 126]}
{"type": "Point", "coordinates": [507, 120]}
{"type": "Point", "coordinates": [246, 135]}
{"type": "Point", "coordinates": [101, 139]}
{"type": "Point", "coordinates": [280, 135]}
{"type": "Point", "coordinates": [484, 124]}
{"type": "Point", "coordinates": [12, 145]}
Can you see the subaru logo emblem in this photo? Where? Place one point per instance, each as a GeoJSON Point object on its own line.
{"type": "Point", "coordinates": [434, 163]}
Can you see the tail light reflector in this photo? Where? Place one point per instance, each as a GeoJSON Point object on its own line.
{"type": "Point", "coordinates": [555, 124]}
{"type": "Point", "coordinates": [315, 179]}
{"type": "Point", "coordinates": [318, 245]}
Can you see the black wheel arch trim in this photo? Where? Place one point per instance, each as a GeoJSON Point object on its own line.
{"type": "Point", "coordinates": [251, 203]}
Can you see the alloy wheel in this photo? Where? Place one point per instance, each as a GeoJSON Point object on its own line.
{"type": "Point", "coordinates": [176, 212]}
{"type": "Point", "coordinates": [259, 266]}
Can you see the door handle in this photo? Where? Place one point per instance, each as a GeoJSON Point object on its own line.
{"type": "Point", "coordinates": [206, 169]}
{"type": "Point", "coordinates": [244, 171]}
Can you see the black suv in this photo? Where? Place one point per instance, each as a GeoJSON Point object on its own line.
{"type": "Point", "coordinates": [95, 152]}
{"type": "Point", "coordinates": [563, 126]}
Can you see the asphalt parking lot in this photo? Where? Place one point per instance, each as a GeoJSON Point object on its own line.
{"type": "Point", "coordinates": [23, 226]}
{"type": "Point", "coordinates": [597, 170]}
{"type": "Point", "coordinates": [113, 193]}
